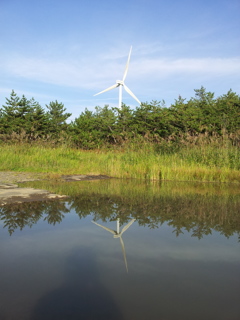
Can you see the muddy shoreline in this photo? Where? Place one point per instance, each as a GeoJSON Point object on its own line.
{"type": "Point", "coordinates": [12, 192]}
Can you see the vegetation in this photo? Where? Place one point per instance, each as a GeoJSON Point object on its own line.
{"type": "Point", "coordinates": [183, 165]}
{"type": "Point", "coordinates": [25, 120]}
{"type": "Point", "coordinates": [197, 139]}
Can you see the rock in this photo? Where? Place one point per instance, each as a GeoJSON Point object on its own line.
{"type": "Point", "coordinates": [8, 186]}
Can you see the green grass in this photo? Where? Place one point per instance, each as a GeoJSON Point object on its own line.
{"type": "Point", "coordinates": [197, 163]}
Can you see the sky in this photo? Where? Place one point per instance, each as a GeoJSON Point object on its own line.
{"type": "Point", "coordinates": [70, 50]}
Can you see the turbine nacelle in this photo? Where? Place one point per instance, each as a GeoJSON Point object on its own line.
{"type": "Point", "coordinates": [120, 83]}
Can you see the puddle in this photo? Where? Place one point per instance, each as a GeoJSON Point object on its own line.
{"type": "Point", "coordinates": [122, 250]}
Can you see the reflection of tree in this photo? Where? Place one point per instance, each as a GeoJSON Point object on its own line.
{"type": "Point", "coordinates": [102, 207]}
{"type": "Point", "coordinates": [195, 213]}
{"type": "Point", "coordinates": [201, 229]}
{"type": "Point", "coordinates": [55, 212]}
{"type": "Point", "coordinates": [19, 215]}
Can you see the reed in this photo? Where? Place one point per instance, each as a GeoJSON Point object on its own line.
{"type": "Point", "coordinates": [188, 163]}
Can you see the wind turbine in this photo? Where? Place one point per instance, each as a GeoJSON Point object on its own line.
{"type": "Point", "coordinates": [118, 234]}
{"type": "Point", "coordinates": [121, 84]}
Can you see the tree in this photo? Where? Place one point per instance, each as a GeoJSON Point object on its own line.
{"type": "Point", "coordinates": [124, 121]}
{"type": "Point", "coordinates": [93, 129]}
{"type": "Point", "coordinates": [15, 114]}
{"type": "Point", "coordinates": [57, 117]}
{"type": "Point", "coordinates": [228, 112]}
{"type": "Point", "coordinates": [38, 120]}
{"type": "Point", "coordinates": [196, 115]}
{"type": "Point", "coordinates": [23, 116]}
{"type": "Point", "coordinates": [152, 118]}
{"type": "Point", "coordinates": [202, 97]}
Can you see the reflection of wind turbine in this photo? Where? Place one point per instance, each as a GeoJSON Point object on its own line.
{"type": "Point", "coordinates": [120, 84]}
{"type": "Point", "coordinates": [118, 234]}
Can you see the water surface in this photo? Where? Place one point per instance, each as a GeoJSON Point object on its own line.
{"type": "Point", "coordinates": [177, 257]}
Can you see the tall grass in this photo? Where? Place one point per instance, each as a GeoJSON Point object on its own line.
{"type": "Point", "coordinates": [189, 163]}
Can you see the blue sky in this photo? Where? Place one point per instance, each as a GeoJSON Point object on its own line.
{"type": "Point", "coordinates": [69, 50]}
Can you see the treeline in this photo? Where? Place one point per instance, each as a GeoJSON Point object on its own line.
{"type": "Point", "coordinates": [202, 116]}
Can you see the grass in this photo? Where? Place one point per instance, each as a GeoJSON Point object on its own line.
{"type": "Point", "coordinates": [196, 163]}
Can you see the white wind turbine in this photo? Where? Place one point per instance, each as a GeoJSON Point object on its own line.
{"type": "Point", "coordinates": [118, 234]}
{"type": "Point", "coordinates": [120, 84]}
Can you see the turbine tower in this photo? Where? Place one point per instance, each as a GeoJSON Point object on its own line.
{"type": "Point", "coordinates": [118, 234]}
{"type": "Point", "coordinates": [120, 84]}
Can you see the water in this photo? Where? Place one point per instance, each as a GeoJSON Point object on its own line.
{"type": "Point", "coordinates": [177, 258]}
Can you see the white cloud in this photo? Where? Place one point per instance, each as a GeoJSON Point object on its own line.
{"type": "Point", "coordinates": [94, 74]}
{"type": "Point", "coordinates": [168, 67]}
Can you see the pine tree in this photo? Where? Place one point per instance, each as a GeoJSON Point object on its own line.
{"type": "Point", "coordinates": [9, 113]}
{"type": "Point", "coordinates": [21, 115]}
{"type": "Point", "coordinates": [57, 117]}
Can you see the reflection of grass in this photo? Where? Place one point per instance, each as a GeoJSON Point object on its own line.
{"type": "Point", "coordinates": [205, 163]}
{"type": "Point", "coordinates": [133, 189]}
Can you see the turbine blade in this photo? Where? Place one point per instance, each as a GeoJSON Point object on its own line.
{"type": "Point", "coordinates": [124, 253]}
{"type": "Point", "coordinates": [127, 226]}
{"type": "Point", "coordinates": [110, 230]}
{"type": "Point", "coordinates": [110, 88]}
{"type": "Point", "coordinates": [126, 68]}
{"type": "Point", "coordinates": [131, 94]}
